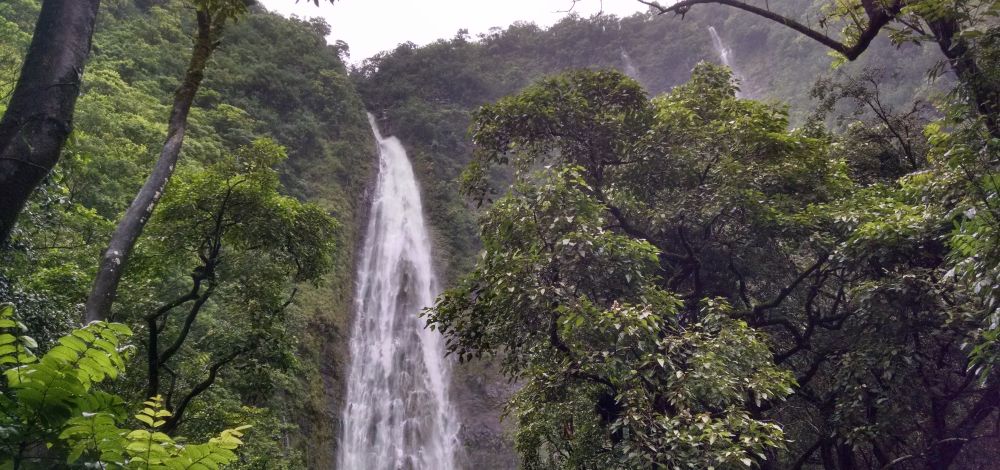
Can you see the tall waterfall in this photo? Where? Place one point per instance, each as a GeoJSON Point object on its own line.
{"type": "Point", "coordinates": [398, 415]}
{"type": "Point", "coordinates": [725, 55]}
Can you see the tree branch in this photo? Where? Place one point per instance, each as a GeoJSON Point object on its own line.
{"type": "Point", "coordinates": [186, 329]}
{"type": "Point", "coordinates": [115, 257]}
{"type": "Point", "coordinates": [877, 18]}
{"type": "Point", "coordinates": [787, 290]}
{"type": "Point", "coordinates": [197, 277]}
{"type": "Point", "coordinates": [213, 372]}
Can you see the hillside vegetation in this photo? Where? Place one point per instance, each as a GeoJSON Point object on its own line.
{"type": "Point", "coordinates": [271, 78]}
{"type": "Point", "coordinates": [650, 260]}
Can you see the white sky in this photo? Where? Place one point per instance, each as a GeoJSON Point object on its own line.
{"type": "Point", "coordinates": [371, 26]}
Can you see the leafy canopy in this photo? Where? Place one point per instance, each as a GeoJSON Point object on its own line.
{"type": "Point", "coordinates": [618, 368]}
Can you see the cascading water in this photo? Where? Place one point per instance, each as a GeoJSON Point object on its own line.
{"type": "Point", "coordinates": [629, 67]}
{"type": "Point", "coordinates": [720, 47]}
{"type": "Point", "coordinates": [398, 415]}
{"type": "Point", "coordinates": [725, 55]}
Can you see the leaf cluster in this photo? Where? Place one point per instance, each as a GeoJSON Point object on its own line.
{"type": "Point", "coordinates": [52, 411]}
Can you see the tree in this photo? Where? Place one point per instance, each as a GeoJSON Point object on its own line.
{"type": "Point", "coordinates": [39, 116]}
{"type": "Point", "coordinates": [840, 263]}
{"type": "Point", "coordinates": [627, 361]}
{"type": "Point", "coordinates": [939, 260]}
{"type": "Point", "coordinates": [273, 76]}
{"type": "Point", "coordinates": [211, 16]}
{"type": "Point", "coordinates": [871, 122]}
{"type": "Point", "coordinates": [959, 28]}
{"type": "Point", "coordinates": [245, 246]}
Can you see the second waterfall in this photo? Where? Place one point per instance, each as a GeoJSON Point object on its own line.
{"type": "Point", "coordinates": [398, 415]}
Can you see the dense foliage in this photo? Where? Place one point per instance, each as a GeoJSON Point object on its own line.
{"type": "Point", "coordinates": [681, 266]}
{"type": "Point", "coordinates": [861, 243]}
{"type": "Point", "coordinates": [628, 216]}
{"type": "Point", "coordinates": [53, 414]}
{"type": "Point", "coordinates": [277, 267]}
{"type": "Point", "coordinates": [427, 95]}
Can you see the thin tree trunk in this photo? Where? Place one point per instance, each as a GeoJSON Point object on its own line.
{"type": "Point", "coordinates": [153, 359]}
{"type": "Point", "coordinates": [115, 257]}
{"type": "Point", "coordinates": [40, 113]}
{"type": "Point", "coordinates": [213, 373]}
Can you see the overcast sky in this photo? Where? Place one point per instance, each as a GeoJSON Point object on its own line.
{"type": "Point", "coordinates": [371, 26]}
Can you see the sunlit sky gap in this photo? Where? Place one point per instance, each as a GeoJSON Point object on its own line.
{"type": "Point", "coordinates": [371, 26]}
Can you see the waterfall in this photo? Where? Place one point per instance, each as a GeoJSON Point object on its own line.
{"type": "Point", "coordinates": [398, 415]}
{"type": "Point", "coordinates": [720, 47]}
{"type": "Point", "coordinates": [725, 55]}
{"type": "Point", "coordinates": [629, 66]}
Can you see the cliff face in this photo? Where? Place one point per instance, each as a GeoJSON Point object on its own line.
{"type": "Point", "coordinates": [481, 394]}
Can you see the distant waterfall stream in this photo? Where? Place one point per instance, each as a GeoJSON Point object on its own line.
{"type": "Point", "coordinates": [628, 66]}
{"type": "Point", "coordinates": [397, 415]}
{"type": "Point", "coordinates": [725, 56]}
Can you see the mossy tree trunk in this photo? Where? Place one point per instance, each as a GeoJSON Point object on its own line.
{"type": "Point", "coordinates": [116, 255]}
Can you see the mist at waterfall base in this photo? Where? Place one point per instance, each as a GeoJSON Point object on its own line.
{"type": "Point", "coordinates": [628, 66]}
{"type": "Point", "coordinates": [398, 414]}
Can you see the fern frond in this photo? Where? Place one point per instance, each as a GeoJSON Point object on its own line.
{"type": "Point", "coordinates": [15, 346]}
{"type": "Point", "coordinates": [56, 385]}
{"type": "Point", "coordinates": [51, 400]}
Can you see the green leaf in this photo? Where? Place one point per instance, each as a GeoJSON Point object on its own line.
{"type": "Point", "coordinates": [145, 419]}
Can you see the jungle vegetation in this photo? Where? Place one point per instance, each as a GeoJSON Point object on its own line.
{"type": "Point", "coordinates": [685, 266]}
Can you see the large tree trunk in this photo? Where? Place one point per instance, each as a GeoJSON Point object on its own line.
{"type": "Point", "coordinates": [115, 257]}
{"type": "Point", "coordinates": [40, 113]}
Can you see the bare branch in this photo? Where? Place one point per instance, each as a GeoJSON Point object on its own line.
{"type": "Point", "coordinates": [878, 17]}
{"type": "Point", "coordinates": [787, 290]}
{"type": "Point", "coordinates": [213, 372]}
{"type": "Point", "coordinates": [188, 322]}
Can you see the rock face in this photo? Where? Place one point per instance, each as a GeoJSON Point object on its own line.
{"type": "Point", "coordinates": [480, 393]}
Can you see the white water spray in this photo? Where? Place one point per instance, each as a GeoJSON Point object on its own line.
{"type": "Point", "coordinates": [720, 47]}
{"type": "Point", "coordinates": [629, 67]}
{"type": "Point", "coordinates": [725, 55]}
{"type": "Point", "coordinates": [398, 414]}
